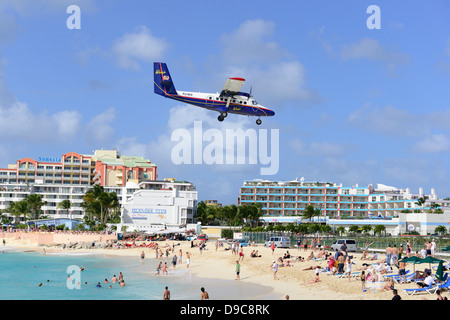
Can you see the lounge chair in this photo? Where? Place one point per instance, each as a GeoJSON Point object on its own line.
{"type": "Point", "coordinates": [345, 274]}
{"type": "Point", "coordinates": [408, 278]}
{"type": "Point", "coordinates": [430, 289]}
{"type": "Point", "coordinates": [444, 285]}
{"type": "Point", "coordinates": [395, 275]}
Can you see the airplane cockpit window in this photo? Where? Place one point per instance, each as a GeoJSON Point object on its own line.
{"type": "Point", "coordinates": [254, 102]}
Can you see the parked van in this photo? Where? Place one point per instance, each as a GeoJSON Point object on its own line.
{"type": "Point", "coordinates": [280, 242]}
{"type": "Point", "coordinates": [350, 243]}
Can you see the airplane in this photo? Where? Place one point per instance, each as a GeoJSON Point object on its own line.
{"type": "Point", "coordinates": [229, 100]}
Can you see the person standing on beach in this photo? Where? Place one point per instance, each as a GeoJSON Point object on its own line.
{"type": "Point", "coordinates": [174, 261]}
{"type": "Point", "coordinates": [341, 261]}
{"type": "Point", "coordinates": [142, 256]}
{"type": "Point", "coordinates": [164, 269]}
{"type": "Point", "coordinates": [204, 295]}
{"type": "Point", "coordinates": [272, 246]}
{"type": "Point", "coordinates": [388, 254]}
{"type": "Point", "coordinates": [402, 271]}
{"type": "Point", "coordinates": [238, 270]}
{"type": "Point", "coordinates": [166, 294]}
{"type": "Point", "coordinates": [349, 268]}
{"type": "Point", "coordinates": [275, 270]}
{"type": "Point", "coordinates": [241, 253]}
{"type": "Point", "coordinates": [395, 252]}
{"type": "Point", "coordinates": [363, 280]}
{"type": "Point", "coordinates": [188, 259]}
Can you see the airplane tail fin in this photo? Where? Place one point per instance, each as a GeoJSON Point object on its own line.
{"type": "Point", "coordinates": [163, 83]}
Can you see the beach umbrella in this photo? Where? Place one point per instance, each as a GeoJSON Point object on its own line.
{"type": "Point", "coordinates": [430, 260]}
{"type": "Point", "coordinates": [440, 271]}
{"type": "Point", "coordinates": [413, 260]}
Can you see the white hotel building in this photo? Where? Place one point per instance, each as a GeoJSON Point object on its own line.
{"type": "Point", "coordinates": [70, 177]}
{"type": "Point", "coordinates": [284, 201]}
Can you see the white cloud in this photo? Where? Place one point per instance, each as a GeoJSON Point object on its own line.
{"type": "Point", "coordinates": [270, 70]}
{"type": "Point", "coordinates": [386, 120]}
{"type": "Point", "coordinates": [140, 45]}
{"type": "Point", "coordinates": [99, 130]}
{"type": "Point", "coordinates": [389, 120]}
{"type": "Point", "coordinates": [320, 149]}
{"type": "Point", "coordinates": [433, 144]}
{"type": "Point", "coordinates": [248, 43]}
{"type": "Point", "coordinates": [371, 49]}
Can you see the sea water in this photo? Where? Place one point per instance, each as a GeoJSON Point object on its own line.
{"type": "Point", "coordinates": [22, 272]}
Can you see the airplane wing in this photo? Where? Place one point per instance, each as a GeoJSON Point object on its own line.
{"type": "Point", "coordinates": [232, 86]}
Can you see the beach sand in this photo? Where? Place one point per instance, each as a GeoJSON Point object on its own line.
{"type": "Point", "coordinates": [292, 281]}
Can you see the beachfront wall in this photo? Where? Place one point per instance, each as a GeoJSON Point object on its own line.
{"type": "Point", "coordinates": [46, 238]}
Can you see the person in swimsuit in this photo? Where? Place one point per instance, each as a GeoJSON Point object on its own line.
{"type": "Point", "coordinates": [204, 295]}
{"type": "Point", "coordinates": [166, 294]}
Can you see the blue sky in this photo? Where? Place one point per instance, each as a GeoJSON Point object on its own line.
{"type": "Point", "coordinates": [353, 105]}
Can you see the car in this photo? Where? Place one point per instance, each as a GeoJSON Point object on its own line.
{"type": "Point", "coordinates": [351, 245]}
{"type": "Point", "coordinates": [280, 242]}
{"type": "Point", "coordinates": [202, 237]}
{"type": "Point", "coordinates": [242, 242]}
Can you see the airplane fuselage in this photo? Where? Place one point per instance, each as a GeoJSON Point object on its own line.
{"type": "Point", "coordinates": [213, 101]}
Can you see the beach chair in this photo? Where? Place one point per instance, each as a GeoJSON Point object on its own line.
{"type": "Point", "coordinates": [395, 275]}
{"type": "Point", "coordinates": [430, 289]}
{"type": "Point", "coordinates": [443, 285]}
{"type": "Point", "coordinates": [408, 278]}
{"type": "Point", "coordinates": [345, 274]}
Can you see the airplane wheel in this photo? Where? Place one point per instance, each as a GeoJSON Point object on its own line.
{"type": "Point", "coordinates": [224, 114]}
{"type": "Point", "coordinates": [220, 118]}
{"type": "Point", "coordinates": [258, 122]}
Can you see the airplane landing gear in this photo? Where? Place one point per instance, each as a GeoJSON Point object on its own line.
{"type": "Point", "coordinates": [224, 114]}
{"type": "Point", "coordinates": [258, 122]}
{"type": "Point", "coordinates": [220, 118]}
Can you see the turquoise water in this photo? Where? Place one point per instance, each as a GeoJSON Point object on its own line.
{"type": "Point", "coordinates": [21, 273]}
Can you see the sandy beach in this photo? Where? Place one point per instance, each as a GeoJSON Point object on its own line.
{"type": "Point", "coordinates": [292, 280]}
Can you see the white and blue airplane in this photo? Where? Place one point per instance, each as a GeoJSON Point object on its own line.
{"type": "Point", "coordinates": [229, 100]}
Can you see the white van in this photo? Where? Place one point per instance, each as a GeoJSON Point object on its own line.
{"type": "Point", "coordinates": [280, 242]}
{"type": "Point", "coordinates": [350, 243]}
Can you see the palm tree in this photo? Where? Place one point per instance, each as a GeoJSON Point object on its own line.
{"type": "Point", "coordinates": [366, 228]}
{"type": "Point", "coordinates": [353, 229]}
{"type": "Point", "coordinates": [65, 205]}
{"type": "Point", "coordinates": [252, 213]}
{"type": "Point", "coordinates": [34, 204]}
{"type": "Point", "coordinates": [440, 230]}
{"type": "Point", "coordinates": [112, 205]}
{"type": "Point", "coordinates": [340, 230]}
{"type": "Point", "coordinates": [379, 229]}
{"type": "Point", "coordinates": [420, 202]}
{"type": "Point", "coordinates": [310, 212]}
{"type": "Point", "coordinates": [19, 208]}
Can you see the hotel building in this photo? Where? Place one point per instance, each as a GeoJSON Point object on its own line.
{"type": "Point", "coordinates": [291, 198]}
{"type": "Point", "coordinates": [396, 209]}
{"type": "Point", "coordinates": [71, 176]}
